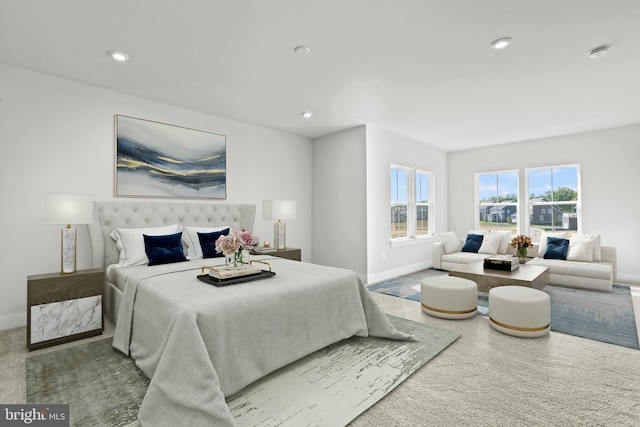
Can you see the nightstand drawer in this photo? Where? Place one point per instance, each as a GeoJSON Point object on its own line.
{"type": "Point", "coordinates": [64, 307]}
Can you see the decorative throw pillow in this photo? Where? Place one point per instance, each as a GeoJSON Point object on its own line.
{"type": "Point", "coordinates": [450, 241]}
{"type": "Point", "coordinates": [490, 244]}
{"type": "Point", "coordinates": [505, 240]}
{"type": "Point", "coordinates": [164, 249]}
{"type": "Point", "coordinates": [543, 240]}
{"type": "Point", "coordinates": [192, 241]}
{"type": "Point", "coordinates": [473, 243]}
{"type": "Point", "coordinates": [130, 242]}
{"type": "Point", "coordinates": [580, 250]}
{"type": "Point", "coordinates": [208, 243]}
{"type": "Point", "coordinates": [597, 245]}
{"type": "Point", "coordinates": [556, 248]}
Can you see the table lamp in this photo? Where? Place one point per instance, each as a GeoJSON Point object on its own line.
{"type": "Point", "coordinates": [64, 208]}
{"type": "Point", "coordinates": [279, 210]}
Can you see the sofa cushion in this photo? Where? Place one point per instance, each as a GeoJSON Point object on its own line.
{"type": "Point", "coordinates": [463, 257]}
{"type": "Point", "coordinates": [596, 270]}
{"type": "Point", "coordinates": [557, 248]}
{"type": "Point", "coordinates": [472, 243]}
{"type": "Point", "coordinates": [543, 240]}
{"type": "Point", "coordinates": [505, 240]}
{"type": "Point", "coordinates": [490, 244]}
{"type": "Point", "coordinates": [580, 250]}
{"type": "Point", "coordinates": [597, 244]}
{"type": "Point", "coordinates": [450, 241]}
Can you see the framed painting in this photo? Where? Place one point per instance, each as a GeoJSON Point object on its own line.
{"type": "Point", "coordinates": [160, 160]}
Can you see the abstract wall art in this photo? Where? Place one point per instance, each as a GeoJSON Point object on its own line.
{"type": "Point", "coordinates": [160, 160]}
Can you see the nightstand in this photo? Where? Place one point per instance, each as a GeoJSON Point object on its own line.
{"type": "Point", "coordinates": [288, 253]}
{"type": "Point", "coordinates": [64, 307]}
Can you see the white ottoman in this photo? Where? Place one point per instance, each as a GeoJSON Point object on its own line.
{"type": "Point", "coordinates": [449, 297]}
{"type": "Point", "coordinates": [519, 311]}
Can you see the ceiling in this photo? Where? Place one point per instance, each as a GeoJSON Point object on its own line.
{"type": "Point", "coordinates": [419, 68]}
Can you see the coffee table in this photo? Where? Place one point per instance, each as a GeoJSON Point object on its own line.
{"type": "Point", "coordinates": [531, 276]}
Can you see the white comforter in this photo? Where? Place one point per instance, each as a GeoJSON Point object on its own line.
{"type": "Point", "coordinates": [199, 343]}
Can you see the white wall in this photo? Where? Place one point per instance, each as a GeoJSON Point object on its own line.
{"type": "Point", "coordinates": [609, 175]}
{"type": "Point", "coordinates": [384, 148]}
{"type": "Point", "coordinates": [58, 136]}
{"type": "Point", "coordinates": [339, 200]}
{"type": "Point", "coordinates": [351, 201]}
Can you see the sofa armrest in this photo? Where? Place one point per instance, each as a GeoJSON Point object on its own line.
{"type": "Point", "coordinates": [610, 254]}
{"type": "Point", "coordinates": [436, 254]}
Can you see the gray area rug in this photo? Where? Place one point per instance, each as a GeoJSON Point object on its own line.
{"type": "Point", "coordinates": [101, 385]}
{"type": "Point", "coordinates": [600, 316]}
{"type": "Point", "coordinates": [330, 387]}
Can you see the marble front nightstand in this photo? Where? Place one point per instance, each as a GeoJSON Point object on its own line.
{"type": "Point", "coordinates": [64, 307]}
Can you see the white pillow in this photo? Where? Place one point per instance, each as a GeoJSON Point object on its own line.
{"type": "Point", "coordinates": [490, 244]}
{"type": "Point", "coordinates": [505, 240]}
{"type": "Point", "coordinates": [597, 246]}
{"type": "Point", "coordinates": [130, 242]}
{"type": "Point", "coordinates": [450, 241]}
{"type": "Point", "coordinates": [580, 250]}
{"type": "Point", "coordinates": [192, 241]}
{"type": "Point", "coordinates": [543, 240]}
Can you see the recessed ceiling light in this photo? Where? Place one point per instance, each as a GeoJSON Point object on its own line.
{"type": "Point", "coordinates": [118, 55]}
{"type": "Point", "coordinates": [306, 114]}
{"type": "Point", "coordinates": [302, 50]}
{"type": "Point", "coordinates": [501, 43]}
{"type": "Point", "coordinates": [599, 51]}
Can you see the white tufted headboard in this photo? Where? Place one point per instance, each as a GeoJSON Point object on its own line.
{"type": "Point", "coordinates": [110, 215]}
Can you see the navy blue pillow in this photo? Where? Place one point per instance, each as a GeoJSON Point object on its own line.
{"type": "Point", "coordinates": [473, 243]}
{"type": "Point", "coordinates": [208, 243]}
{"type": "Point", "coordinates": [164, 249]}
{"type": "Point", "coordinates": [557, 248]}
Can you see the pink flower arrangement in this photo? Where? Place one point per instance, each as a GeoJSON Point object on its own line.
{"type": "Point", "coordinates": [236, 241]}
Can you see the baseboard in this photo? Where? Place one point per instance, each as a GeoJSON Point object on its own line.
{"type": "Point", "coordinates": [13, 321]}
{"type": "Point", "coordinates": [397, 272]}
{"type": "Point", "coordinates": [627, 278]}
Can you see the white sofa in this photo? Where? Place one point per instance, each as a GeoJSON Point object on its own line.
{"type": "Point", "coordinates": [595, 275]}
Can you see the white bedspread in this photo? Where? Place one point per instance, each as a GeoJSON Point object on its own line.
{"type": "Point", "coordinates": [200, 343]}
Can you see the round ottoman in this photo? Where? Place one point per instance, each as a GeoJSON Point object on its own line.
{"type": "Point", "coordinates": [519, 311]}
{"type": "Point", "coordinates": [449, 297]}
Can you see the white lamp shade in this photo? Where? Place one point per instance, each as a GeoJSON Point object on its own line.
{"type": "Point", "coordinates": [279, 209]}
{"type": "Point", "coordinates": [65, 208]}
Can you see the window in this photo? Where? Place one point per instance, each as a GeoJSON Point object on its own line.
{"type": "Point", "coordinates": [411, 202]}
{"type": "Point", "coordinates": [422, 203]}
{"type": "Point", "coordinates": [497, 201]}
{"type": "Point", "coordinates": [399, 202]}
{"type": "Point", "coordinates": [554, 198]}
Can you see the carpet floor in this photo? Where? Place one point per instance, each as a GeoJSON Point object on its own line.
{"type": "Point", "coordinates": [484, 378]}
{"type": "Point", "coordinates": [330, 387]}
{"type": "Point", "coordinates": [600, 316]}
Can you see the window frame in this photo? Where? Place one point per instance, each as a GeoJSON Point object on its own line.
{"type": "Point", "coordinates": [412, 204]}
{"type": "Point", "coordinates": [500, 205]}
{"type": "Point", "coordinates": [530, 205]}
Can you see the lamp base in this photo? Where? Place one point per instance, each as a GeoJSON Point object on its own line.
{"type": "Point", "coordinates": [68, 260]}
{"type": "Point", "coordinates": [280, 235]}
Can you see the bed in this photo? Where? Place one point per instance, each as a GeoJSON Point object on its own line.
{"type": "Point", "coordinates": [200, 343]}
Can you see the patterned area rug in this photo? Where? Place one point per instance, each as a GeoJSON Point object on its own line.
{"type": "Point", "coordinates": [599, 316]}
{"type": "Point", "coordinates": [330, 387]}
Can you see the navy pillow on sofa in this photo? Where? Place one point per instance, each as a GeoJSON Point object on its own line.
{"type": "Point", "coordinates": [557, 248]}
{"type": "Point", "coordinates": [208, 243]}
{"type": "Point", "coordinates": [164, 249]}
{"type": "Point", "coordinates": [473, 243]}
